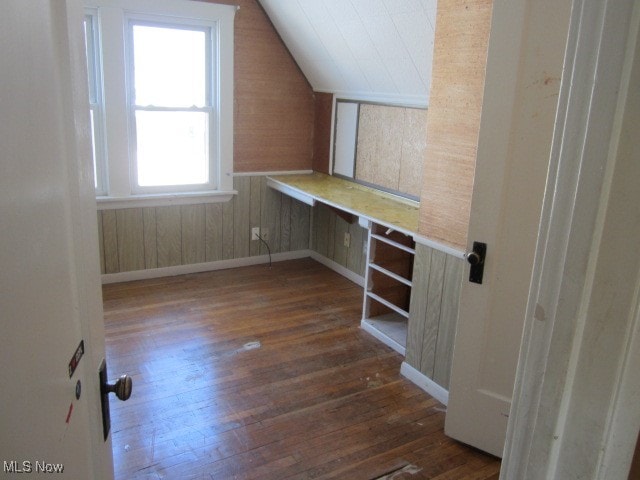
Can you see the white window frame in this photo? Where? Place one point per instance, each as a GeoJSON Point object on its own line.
{"type": "Point", "coordinates": [113, 18]}
{"type": "Point", "coordinates": [96, 105]}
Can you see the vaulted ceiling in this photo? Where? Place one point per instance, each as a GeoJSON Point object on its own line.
{"type": "Point", "coordinates": [375, 49]}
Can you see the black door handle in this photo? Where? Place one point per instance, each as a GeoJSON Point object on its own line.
{"type": "Point", "coordinates": [476, 260]}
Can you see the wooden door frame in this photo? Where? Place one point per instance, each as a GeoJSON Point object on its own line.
{"type": "Point", "coordinates": [544, 439]}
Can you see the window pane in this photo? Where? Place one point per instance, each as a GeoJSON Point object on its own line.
{"type": "Point", "coordinates": [169, 66]}
{"type": "Point", "coordinates": [172, 148]}
{"type": "Point", "coordinates": [90, 49]}
{"type": "Point", "coordinates": [93, 149]}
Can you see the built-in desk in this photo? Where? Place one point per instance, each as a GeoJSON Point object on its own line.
{"type": "Point", "coordinates": [392, 223]}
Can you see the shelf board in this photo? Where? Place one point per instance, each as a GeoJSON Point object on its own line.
{"type": "Point", "coordinates": [390, 329]}
{"type": "Point", "coordinates": [393, 243]}
{"type": "Point", "coordinates": [389, 273]}
{"type": "Point", "coordinates": [388, 304]}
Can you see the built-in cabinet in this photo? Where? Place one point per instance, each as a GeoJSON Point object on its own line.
{"type": "Point", "coordinates": [388, 283]}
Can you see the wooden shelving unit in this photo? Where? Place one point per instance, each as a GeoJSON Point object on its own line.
{"type": "Point", "coordinates": [388, 283]}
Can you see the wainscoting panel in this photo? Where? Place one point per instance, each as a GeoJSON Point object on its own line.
{"type": "Point", "coordinates": [327, 238]}
{"type": "Point", "coordinates": [434, 313]}
{"type": "Point", "coordinates": [155, 237]}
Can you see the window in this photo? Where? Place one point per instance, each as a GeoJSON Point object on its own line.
{"type": "Point", "coordinates": [162, 103]}
{"type": "Point", "coordinates": [95, 100]}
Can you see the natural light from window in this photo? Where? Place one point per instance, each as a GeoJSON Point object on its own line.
{"type": "Point", "coordinates": [172, 104]}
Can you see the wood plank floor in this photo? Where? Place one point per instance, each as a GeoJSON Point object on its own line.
{"type": "Point", "coordinates": [264, 373]}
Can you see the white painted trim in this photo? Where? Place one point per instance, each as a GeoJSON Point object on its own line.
{"type": "Point", "coordinates": [412, 101]}
{"type": "Point", "coordinates": [201, 267]}
{"type": "Point", "coordinates": [388, 341]}
{"type": "Point", "coordinates": [279, 172]}
{"type": "Point", "coordinates": [336, 267]}
{"type": "Point", "coordinates": [425, 383]}
{"type": "Point", "coordinates": [550, 378]}
{"type": "Point", "coordinates": [440, 246]}
{"type": "Point", "coordinates": [163, 199]}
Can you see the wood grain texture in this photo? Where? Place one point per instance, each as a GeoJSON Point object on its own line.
{"type": "Point", "coordinates": [150, 238]}
{"type": "Point", "coordinates": [318, 398]}
{"type": "Point", "coordinates": [169, 236]}
{"type": "Point", "coordinates": [101, 242]}
{"type": "Point", "coordinates": [432, 318]}
{"type": "Point", "coordinates": [323, 103]}
{"type": "Point", "coordinates": [418, 308]}
{"type": "Point", "coordinates": [130, 229]}
{"type": "Point", "coordinates": [134, 239]}
{"type": "Point", "coordinates": [327, 231]}
{"type": "Point", "coordinates": [193, 230]}
{"type": "Point", "coordinates": [453, 277]}
{"type": "Point", "coordinates": [213, 232]}
{"type": "Point", "coordinates": [433, 313]}
{"type": "Point", "coordinates": [453, 120]}
{"type": "Point", "coordinates": [110, 241]}
{"type": "Point", "coordinates": [274, 103]}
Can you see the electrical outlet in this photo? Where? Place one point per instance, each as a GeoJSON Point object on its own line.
{"type": "Point", "coordinates": [347, 239]}
{"type": "Point", "coordinates": [255, 231]}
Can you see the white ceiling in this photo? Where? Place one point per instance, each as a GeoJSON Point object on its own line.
{"type": "Point", "coordinates": [375, 49]}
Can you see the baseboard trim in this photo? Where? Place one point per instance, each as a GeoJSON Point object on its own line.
{"type": "Point", "coordinates": [425, 383]}
{"type": "Point", "coordinates": [201, 267]}
{"type": "Point", "coordinates": [336, 267]}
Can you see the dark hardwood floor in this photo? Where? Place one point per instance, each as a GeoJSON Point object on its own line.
{"type": "Point", "coordinates": [259, 373]}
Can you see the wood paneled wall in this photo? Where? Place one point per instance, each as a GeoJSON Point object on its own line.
{"type": "Point", "coordinates": [155, 237]}
{"type": "Point", "coordinates": [274, 103]}
{"type": "Point", "coordinates": [453, 121]}
{"type": "Point", "coordinates": [327, 239]}
{"type": "Point", "coordinates": [433, 315]}
{"type": "Point", "coordinates": [391, 147]}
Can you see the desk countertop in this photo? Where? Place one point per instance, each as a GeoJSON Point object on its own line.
{"type": "Point", "coordinates": [383, 208]}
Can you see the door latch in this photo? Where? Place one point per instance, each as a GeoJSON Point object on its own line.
{"type": "Point", "coordinates": [122, 388]}
{"type": "Point", "coordinates": [476, 260]}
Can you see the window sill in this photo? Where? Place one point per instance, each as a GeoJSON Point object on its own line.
{"type": "Point", "coordinates": [164, 199]}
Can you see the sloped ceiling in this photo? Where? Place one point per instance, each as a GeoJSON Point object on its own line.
{"type": "Point", "coordinates": [375, 49]}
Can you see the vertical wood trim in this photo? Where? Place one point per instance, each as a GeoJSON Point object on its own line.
{"type": "Point", "coordinates": [213, 232]}
{"type": "Point", "coordinates": [299, 226]}
{"type": "Point", "coordinates": [432, 318]}
{"type": "Point", "coordinates": [150, 237]}
{"type": "Point", "coordinates": [169, 236]}
{"type": "Point", "coordinates": [228, 214]}
{"type": "Point", "coordinates": [285, 223]}
{"type": "Point", "coordinates": [331, 234]}
{"type": "Point", "coordinates": [110, 232]}
{"type": "Point", "coordinates": [453, 277]}
{"type": "Point", "coordinates": [339, 250]}
{"type": "Point", "coordinates": [241, 218]}
{"type": "Point", "coordinates": [354, 253]}
{"type": "Point", "coordinates": [418, 310]}
{"type": "Point", "coordinates": [130, 239]}
{"type": "Point", "coordinates": [101, 242]}
{"type": "Point", "coordinates": [270, 215]}
{"type": "Point", "coordinates": [255, 214]}
{"type": "Point", "coordinates": [192, 218]}
{"type": "Point", "coordinates": [321, 219]}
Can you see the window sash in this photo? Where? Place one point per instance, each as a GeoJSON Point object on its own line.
{"type": "Point", "coordinates": [209, 108]}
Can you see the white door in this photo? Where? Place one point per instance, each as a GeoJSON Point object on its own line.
{"type": "Point", "coordinates": [524, 65]}
{"type": "Point", "coordinates": [50, 296]}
